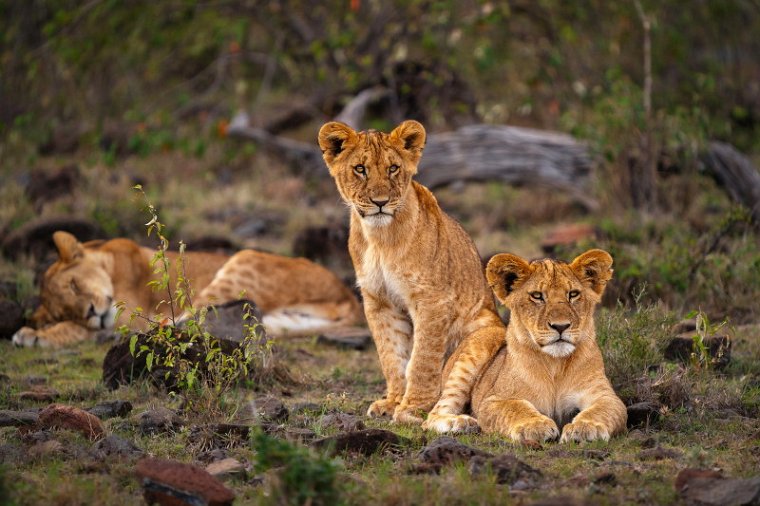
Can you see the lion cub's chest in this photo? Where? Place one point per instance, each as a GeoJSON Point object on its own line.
{"type": "Point", "coordinates": [378, 275]}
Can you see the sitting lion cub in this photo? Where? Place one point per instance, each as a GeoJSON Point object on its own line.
{"type": "Point", "coordinates": [551, 367]}
{"type": "Point", "coordinates": [420, 275]}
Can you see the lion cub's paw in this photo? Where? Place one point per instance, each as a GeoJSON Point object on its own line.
{"type": "Point", "coordinates": [584, 431]}
{"type": "Point", "coordinates": [25, 336]}
{"type": "Point", "coordinates": [407, 414]}
{"type": "Point", "coordinates": [382, 407]}
{"type": "Point", "coordinates": [537, 429]}
{"type": "Point", "coordinates": [451, 423]}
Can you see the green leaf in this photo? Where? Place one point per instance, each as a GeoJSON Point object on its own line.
{"type": "Point", "coordinates": [132, 344]}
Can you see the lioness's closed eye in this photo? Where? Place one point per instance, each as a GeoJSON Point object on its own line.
{"type": "Point", "coordinates": [551, 366]}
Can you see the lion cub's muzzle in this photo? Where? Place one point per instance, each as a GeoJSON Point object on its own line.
{"type": "Point", "coordinates": [559, 341]}
{"type": "Point", "coordinates": [101, 316]}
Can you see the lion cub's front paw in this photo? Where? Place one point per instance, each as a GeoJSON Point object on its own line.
{"type": "Point", "coordinates": [25, 336]}
{"type": "Point", "coordinates": [407, 414]}
{"type": "Point", "coordinates": [382, 407]}
{"type": "Point", "coordinates": [539, 428]}
{"type": "Point", "coordinates": [584, 431]}
{"type": "Point", "coordinates": [451, 423]}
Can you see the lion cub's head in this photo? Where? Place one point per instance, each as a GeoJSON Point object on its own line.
{"type": "Point", "coordinates": [372, 169]}
{"type": "Point", "coordinates": [76, 287]}
{"type": "Point", "coordinates": [551, 302]}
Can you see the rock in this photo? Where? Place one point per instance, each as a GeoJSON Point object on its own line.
{"type": "Point", "coordinates": [11, 318]}
{"type": "Point", "coordinates": [111, 409]}
{"type": "Point", "coordinates": [659, 453]}
{"type": "Point", "coordinates": [158, 420]}
{"type": "Point", "coordinates": [566, 235]}
{"type": "Point", "coordinates": [166, 482]}
{"type": "Point", "coordinates": [59, 416]}
{"type": "Point", "coordinates": [12, 454]}
{"type": "Point", "coordinates": [226, 321]}
{"type": "Point", "coordinates": [327, 244]}
{"type": "Point", "coordinates": [46, 186]}
{"type": "Point", "coordinates": [342, 421]}
{"type": "Point", "coordinates": [366, 442]}
{"type": "Point", "coordinates": [226, 467]}
{"type": "Point", "coordinates": [115, 446]}
{"type": "Point", "coordinates": [270, 408]}
{"type": "Point", "coordinates": [708, 488]}
{"type": "Point", "coordinates": [10, 418]}
{"type": "Point", "coordinates": [595, 454]}
{"type": "Point", "coordinates": [353, 338]}
{"type": "Point", "coordinates": [39, 394]}
{"type": "Point", "coordinates": [35, 238]}
{"type": "Point", "coordinates": [46, 448]}
{"type": "Point", "coordinates": [605, 478]}
{"type": "Point", "coordinates": [681, 347]}
{"type": "Point", "coordinates": [507, 469]}
{"type": "Point", "coordinates": [643, 414]}
{"type": "Point", "coordinates": [445, 451]}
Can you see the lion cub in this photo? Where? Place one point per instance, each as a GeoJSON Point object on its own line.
{"type": "Point", "coordinates": [419, 272]}
{"type": "Point", "coordinates": [551, 366]}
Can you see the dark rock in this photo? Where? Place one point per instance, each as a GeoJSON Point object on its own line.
{"type": "Point", "coordinates": [342, 421]}
{"type": "Point", "coordinates": [111, 409]}
{"type": "Point", "coordinates": [445, 451]}
{"type": "Point", "coordinates": [270, 408]}
{"type": "Point", "coordinates": [39, 394]}
{"type": "Point", "coordinates": [167, 482]}
{"type": "Point", "coordinates": [659, 453]}
{"type": "Point", "coordinates": [681, 349]}
{"type": "Point", "coordinates": [595, 454]}
{"type": "Point", "coordinates": [46, 186]}
{"type": "Point", "coordinates": [353, 338]}
{"type": "Point", "coordinates": [11, 318]}
{"type": "Point", "coordinates": [506, 468]}
{"type": "Point", "coordinates": [68, 417]}
{"type": "Point", "coordinates": [605, 478]}
{"type": "Point", "coordinates": [18, 418]}
{"type": "Point", "coordinates": [227, 321]}
{"type": "Point", "coordinates": [643, 414]}
{"type": "Point", "coordinates": [115, 446]}
{"type": "Point", "coordinates": [327, 244]}
{"type": "Point", "coordinates": [158, 420]}
{"type": "Point", "coordinates": [366, 442]}
{"type": "Point", "coordinates": [708, 488]}
{"type": "Point", "coordinates": [35, 238]}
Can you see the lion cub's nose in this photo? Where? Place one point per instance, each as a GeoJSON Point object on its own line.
{"type": "Point", "coordinates": [560, 327]}
{"type": "Point", "coordinates": [380, 202]}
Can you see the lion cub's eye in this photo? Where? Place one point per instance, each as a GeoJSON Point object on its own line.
{"type": "Point", "coordinates": [573, 294]}
{"type": "Point", "coordinates": [393, 169]}
{"type": "Point", "coordinates": [536, 295]}
{"type": "Point", "coordinates": [360, 169]}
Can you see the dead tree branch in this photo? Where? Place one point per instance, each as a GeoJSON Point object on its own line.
{"type": "Point", "coordinates": [736, 173]}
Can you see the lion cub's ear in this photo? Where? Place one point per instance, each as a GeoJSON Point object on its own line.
{"type": "Point", "coordinates": [412, 134]}
{"type": "Point", "coordinates": [332, 138]}
{"type": "Point", "coordinates": [69, 248]}
{"type": "Point", "coordinates": [594, 269]}
{"type": "Point", "coordinates": [505, 273]}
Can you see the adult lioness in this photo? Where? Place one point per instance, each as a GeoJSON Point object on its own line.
{"type": "Point", "coordinates": [551, 366]}
{"type": "Point", "coordinates": [80, 290]}
{"type": "Point", "coordinates": [420, 274]}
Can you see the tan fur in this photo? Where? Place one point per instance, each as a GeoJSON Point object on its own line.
{"type": "Point", "coordinates": [420, 274]}
{"type": "Point", "coordinates": [79, 291]}
{"type": "Point", "coordinates": [535, 383]}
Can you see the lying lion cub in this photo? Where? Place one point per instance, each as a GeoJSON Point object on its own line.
{"type": "Point", "coordinates": [80, 290]}
{"type": "Point", "coordinates": [551, 366]}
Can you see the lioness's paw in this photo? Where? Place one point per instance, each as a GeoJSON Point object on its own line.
{"type": "Point", "coordinates": [584, 431]}
{"type": "Point", "coordinates": [382, 407]}
{"type": "Point", "coordinates": [25, 336]}
{"type": "Point", "coordinates": [451, 423]}
{"type": "Point", "coordinates": [536, 429]}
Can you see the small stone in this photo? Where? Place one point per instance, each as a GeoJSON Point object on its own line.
{"type": "Point", "coordinates": [270, 408]}
{"type": "Point", "coordinates": [115, 446]}
{"type": "Point", "coordinates": [659, 453]}
{"type": "Point", "coordinates": [353, 338]}
{"type": "Point", "coordinates": [446, 450]}
{"type": "Point", "coordinates": [506, 468]}
{"type": "Point", "coordinates": [707, 487]}
{"type": "Point", "coordinates": [226, 467]}
{"type": "Point", "coordinates": [39, 394]}
{"type": "Point", "coordinates": [342, 421]}
{"type": "Point", "coordinates": [68, 417]}
{"type": "Point", "coordinates": [159, 420]}
{"type": "Point", "coordinates": [167, 482]}
{"type": "Point", "coordinates": [10, 418]}
{"type": "Point", "coordinates": [595, 454]}
{"type": "Point", "coordinates": [11, 318]}
{"type": "Point", "coordinates": [46, 448]}
{"type": "Point", "coordinates": [643, 414]}
{"type": "Point", "coordinates": [366, 442]}
{"type": "Point", "coordinates": [111, 409]}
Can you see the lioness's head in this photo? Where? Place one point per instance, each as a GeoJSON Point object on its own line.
{"type": "Point", "coordinates": [551, 301]}
{"type": "Point", "coordinates": [372, 169]}
{"type": "Point", "coordinates": [76, 287]}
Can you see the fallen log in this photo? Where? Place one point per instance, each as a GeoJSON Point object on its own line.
{"type": "Point", "coordinates": [736, 173]}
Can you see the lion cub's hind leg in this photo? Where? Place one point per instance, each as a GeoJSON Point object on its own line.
{"type": "Point", "coordinates": [517, 419]}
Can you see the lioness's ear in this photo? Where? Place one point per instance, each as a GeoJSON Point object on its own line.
{"type": "Point", "coordinates": [69, 249]}
{"type": "Point", "coordinates": [594, 269]}
{"type": "Point", "coordinates": [506, 272]}
{"type": "Point", "coordinates": [332, 139]}
{"type": "Point", "coordinates": [412, 134]}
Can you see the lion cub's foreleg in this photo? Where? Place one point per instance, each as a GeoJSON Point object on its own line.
{"type": "Point", "coordinates": [605, 417]}
{"type": "Point", "coordinates": [392, 332]}
{"type": "Point", "coordinates": [517, 419]}
{"type": "Point", "coordinates": [52, 336]}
